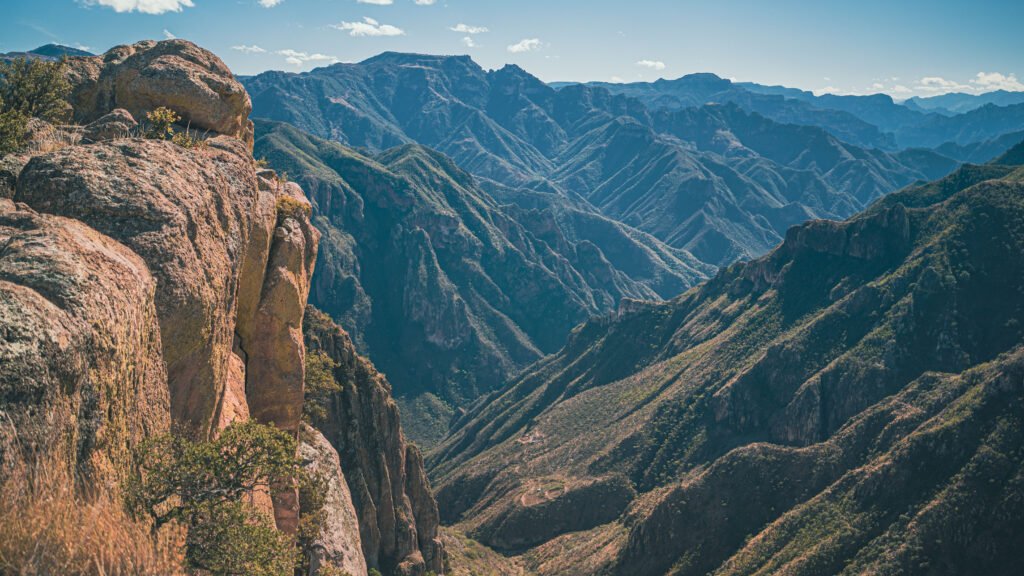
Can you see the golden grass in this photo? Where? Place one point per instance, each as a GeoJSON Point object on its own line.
{"type": "Point", "coordinates": [47, 527]}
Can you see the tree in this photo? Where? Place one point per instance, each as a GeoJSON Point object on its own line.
{"type": "Point", "coordinates": [202, 485]}
{"type": "Point", "coordinates": [320, 386]}
{"type": "Point", "coordinates": [35, 88]}
{"type": "Point", "coordinates": [30, 88]}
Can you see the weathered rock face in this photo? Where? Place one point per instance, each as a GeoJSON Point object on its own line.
{"type": "Point", "coordinates": [189, 214]}
{"type": "Point", "coordinates": [398, 518]}
{"type": "Point", "coordinates": [173, 73]}
{"type": "Point", "coordinates": [117, 124]}
{"type": "Point", "coordinates": [81, 373]}
{"type": "Point", "coordinates": [341, 545]}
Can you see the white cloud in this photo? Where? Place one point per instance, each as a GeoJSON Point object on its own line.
{"type": "Point", "coordinates": [468, 42]}
{"type": "Point", "coordinates": [270, 3]}
{"type": "Point", "coordinates": [144, 6]}
{"type": "Point", "coordinates": [525, 45]}
{"type": "Point", "coordinates": [425, 2]}
{"type": "Point", "coordinates": [254, 49]}
{"type": "Point", "coordinates": [617, 80]}
{"type": "Point", "coordinates": [940, 85]}
{"type": "Point", "coordinates": [168, 35]}
{"type": "Point", "coordinates": [296, 58]}
{"type": "Point", "coordinates": [652, 64]}
{"type": "Point", "coordinates": [988, 81]}
{"type": "Point", "coordinates": [467, 29]}
{"type": "Point", "coordinates": [377, 2]}
{"type": "Point", "coordinates": [369, 27]}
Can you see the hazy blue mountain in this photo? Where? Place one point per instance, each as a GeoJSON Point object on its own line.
{"type": "Point", "coordinates": [48, 52]}
{"type": "Point", "coordinates": [958, 102]}
{"type": "Point", "coordinates": [651, 168]}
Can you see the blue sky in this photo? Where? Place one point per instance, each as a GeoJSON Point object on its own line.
{"type": "Point", "coordinates": [904, 48]}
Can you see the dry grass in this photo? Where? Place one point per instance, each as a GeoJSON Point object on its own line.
{"type": "Point", "coordinates": [47, 527]}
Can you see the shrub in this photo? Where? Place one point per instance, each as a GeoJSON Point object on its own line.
{"type": "Point", "coordinates": [288, 207]}
{"type": "Point", "coordinates": [202, 485]}
{"type": "Point", "coordinates": [320, 386]}
{"type": "Point", "coordinates": [30, 88]}
{"type": "Point", "coordinates": [160, 123]}
{"type": "Point", "coordinates": [35, 88]}
{"type": "Point", "coordinates": [189, 139]}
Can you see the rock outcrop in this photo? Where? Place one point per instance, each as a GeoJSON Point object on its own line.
{"type": "Point", "coordinates": [198, 252]}
{"type": "Point", "coordinates": [175, 74]}
{"type": "Point", "coordinates": [81, 372]}
{"type": "Point", "coordinates": [341, 545]}
{"type": "Point", "coordinates": [190, 214]}
{"type": "Point", "coordinates": [398, 517]}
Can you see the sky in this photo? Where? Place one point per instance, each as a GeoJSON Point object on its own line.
{"type": "Point", "coordinates": [899, 47]}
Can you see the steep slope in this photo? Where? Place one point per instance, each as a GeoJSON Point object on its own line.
{"type": "Point", "coordinates": [851, 402]}
{"type": "Point", "coordinates": [398, 519]}
{"type": "Point", "coordinates": [447, 290]}
{"type": "Point", "coordinates": [612, 150]}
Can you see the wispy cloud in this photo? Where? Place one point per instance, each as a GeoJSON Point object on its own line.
{"type": "Point", "coordinates": [253, 49]}
{"type": "Point", "coordinates": [270, 3]}
{"type": "Point", "coordinates": [988, 81]}
{"type": "Point", "coordinates": [526, 45]}
{"type": "Point", "coordinates": [425, 2]}
{"type": "Point", "coordinates": [377, 2]}
{"type": "Point", "coordinates": [467, 29]}
{"type": "Point", "coordinates": [468, 42]}
{"type": "Point", "coordinates": [296, 58]}
{"type": "Point", "coordinates": [168, 34]}
{"type": "Point", "coordinates": [652, 64]}
{"type": "Point", "coordinates": [369, 27]}
{"type": "Point", "coordinates": [144, 6]}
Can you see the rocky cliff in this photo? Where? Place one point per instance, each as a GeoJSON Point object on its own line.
{"type": "Point", "coordinates": [398, 518]}
{"type": "Point", "coordinates": [850, 403]}
{"type": "Point", "coordinates": [146, 285]}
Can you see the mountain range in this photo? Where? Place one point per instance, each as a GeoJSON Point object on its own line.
{"type": "Point", "coordinates": [849, 403]}
{"type": "Point", "coordinates": [513, 210]}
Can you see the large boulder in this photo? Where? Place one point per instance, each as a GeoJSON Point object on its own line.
{"type": "Point", "coordinates": [81, 374]}
{"type": "Point", "coordinates": [192, 215]}
{"type": "Point", "coordinates": [175, 74]}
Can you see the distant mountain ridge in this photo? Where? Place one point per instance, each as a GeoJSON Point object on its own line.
{"type": "Point", "coordinates": [47, 52]}
{"type": "Point", "coordinates": [506, 126]}
{"type": "Point", "coordinates": [868, 121]}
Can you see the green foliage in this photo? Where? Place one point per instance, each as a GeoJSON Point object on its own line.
{"type": "Point", "coordinates": [374, 572]}
{"type": "Point", "coordinates": [233, 538]}
{"type": "Point", "coordinates": [35, 89]}
{"type": "Point", "coordinates": [188, 139]}
{"type": "Point", "coordinates": [320, 386]}
{"type": "Point", "coordinates": [12, 130]}
{"type": "Point", "coordinates": [202, 485]}
{"type": "Point", "coordinates": [30, 88]}
{"type": "Point", "coordinates": [161, 123]}
{"type": "Point", "coordinates": [312, 498]}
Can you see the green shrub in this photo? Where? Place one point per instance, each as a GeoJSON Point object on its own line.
{"type": "Point", "coordinates": [320, 386]}
{"type": "Point", "coordinates": [160, 123]}
{"type": "Point", "coordinates": [202, 485]}
{"type": "Point", "coordinates": [30, 88]}
{"type": "Point", "coordinates": [374, 572]}
{"type": "Point", "coordinates": [35, 88]}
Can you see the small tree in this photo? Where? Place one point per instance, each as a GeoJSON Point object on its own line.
{"type": "Point", "coordinates": [30, 88]}
{"type": "Point", "coordinates": [320, 386]}
{"type": "Point", "coordinates": [35, 88]}
{"type": "Point", "coordinates": [202, 485]}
